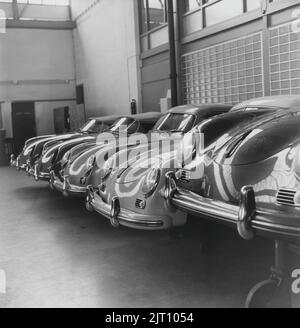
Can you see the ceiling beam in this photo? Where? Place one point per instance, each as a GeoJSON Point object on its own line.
{"type": "Point", "coordinates": [34, 24]}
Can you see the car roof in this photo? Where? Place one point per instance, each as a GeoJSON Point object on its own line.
{"type": "Point", "coordinates": [197, 109]}
{"type": "Point", "coordinates": [106, 119]}
{"type": "Point", "coordinates": [271, 102]}
{"type": "Point", "coordinates": [149, 117]}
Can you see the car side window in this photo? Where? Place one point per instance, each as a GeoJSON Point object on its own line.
{"type": "Point", "coordinates": [134, 127]}
{"type": "Point", "coordinates": [145, 127]}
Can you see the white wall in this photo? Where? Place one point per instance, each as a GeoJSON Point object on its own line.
{"type": "Point", "coordinates": [79, 6]}
{"type": "Point", "coordinates": [102, 53]}
{"type": "Point", "coordinates": [36, 65]}
{"type": "Point", "coordinates": [44, 115]}
{"type": "Point", "coordinates": [107, 55]}
{"type": "Point", "coordinates": [31, 56]}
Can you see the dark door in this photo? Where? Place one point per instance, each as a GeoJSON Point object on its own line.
{"type": "Point", "coordinates": [80, 99]}
{"type": "Point", "coordinates": [61, 120]}
{"type": "Point", "coordinates": [23, 122]}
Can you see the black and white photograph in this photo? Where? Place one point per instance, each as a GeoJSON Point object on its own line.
{"type": "Point", "coordinates": [149, 157]}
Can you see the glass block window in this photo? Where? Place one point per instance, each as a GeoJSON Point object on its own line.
{"type": "Point", "coordinates": [229, 72]}
{"type": "Point", "coordinates": [284, 60]}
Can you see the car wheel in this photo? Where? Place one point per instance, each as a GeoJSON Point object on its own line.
{"type": "Point", "coordinates": [261, 294]}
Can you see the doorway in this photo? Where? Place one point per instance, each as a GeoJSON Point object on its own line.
{"type": "Point", "coordinates": [23, 123]}
{"type": "Point", "coordinates": [80, 103]}
{"type": "Point", "coordinates": [61, 120]}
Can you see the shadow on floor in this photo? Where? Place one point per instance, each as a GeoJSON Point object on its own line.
{"type": "Point", "coordinates": [70, 257]}
{"type": "Point", "coordinates": [30, 192]}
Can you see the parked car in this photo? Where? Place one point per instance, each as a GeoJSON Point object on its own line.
{"type": "Point", "coordinates": [130, 195]}
{"type": "Point", "coordinates": [249, 177]}
{"type": "Point", "coordinates": [53, 158]}
{"type": "Point", "coordinates": [75, 172]}
{"type": "Point", "coordinates": [78, 175]}
{"type": "Point", "coordinates": [34, 147]}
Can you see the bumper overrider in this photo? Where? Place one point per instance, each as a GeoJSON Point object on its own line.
{"type": "Point", "coordinates": [118, 216]}
{"type": "Point", "coordinates": [65, 187]}
{"type": "Point", "coordinates": [37, 174]}
{"type": "Point", "coordinates": [245, 217]}
{"type": "Point", "coordinates": [15, 162]}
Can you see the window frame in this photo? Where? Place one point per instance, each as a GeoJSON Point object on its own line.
{"type": "Point", "coordinates": [147, 18]}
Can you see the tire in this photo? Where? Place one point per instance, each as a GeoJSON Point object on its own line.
{"type": "Point", "coordinates": [261, 294]}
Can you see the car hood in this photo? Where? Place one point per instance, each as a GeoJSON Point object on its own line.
{"type": "Point", "coordinates": [78, 164]}
{"type": "Point", "coordinates": [35, 139]}
{"type": "Point", "coordinates": [41, 141]}
{"type": "Point", "coordinates": [56, 145]}
{"type": "Point", "coordinates": [260, 141]}
{"type": "Point", "coordinates": [62, 138]}
{"type": "Point", "coordinates": [137, 170]}
{"type": "Point", "coordinates": [79, 149]}
{"type": "Point", "coordinates": [101, 150]}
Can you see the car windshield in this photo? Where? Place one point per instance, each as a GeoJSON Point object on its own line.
{"type": "Point", "coordinates": [247, 109]}
{"type": "Point", "coordinates": [123, 122]}
{"type": "Point", "coordinates": [255, 108]}
{"type": "Point", "coordinates": [92, 126]}
{"type": "Point", "coordinates": [89, 124]}
{"type": "Point", "coordinates": [175, 123]}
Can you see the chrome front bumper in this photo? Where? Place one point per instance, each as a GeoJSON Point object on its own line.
{"type": "Point", "coordinates": [118, 216]}
{"type": "Point", "coordinates": [65, 187]}
{"type": "Point", "coordinates": [37, 174]}
{"type": "Point", "coordinates": [15, 162]}
{"type": "Point", "coordinates": [245, 217]}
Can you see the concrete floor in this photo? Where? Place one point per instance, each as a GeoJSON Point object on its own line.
{"type": "Point", "coordinates": [56, 254]}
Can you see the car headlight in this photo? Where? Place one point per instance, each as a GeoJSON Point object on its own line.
{"type": "Point", "coordinates": [107, 169]}
{"type": "Point", "coordinates": [91, 162]}
{"type": "Point", "coordinates": [151, 182]}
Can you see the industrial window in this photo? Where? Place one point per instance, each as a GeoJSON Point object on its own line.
{"type": "Point", "coordinates": [284, 60]}
{"type": "Point", "coordinates": [223, 10]}
{"type": "Point", "coordinates": [229, 72]}
{"type": "Point", "coordinates": [153, 14]}
{"type": "Point", "coordinates": [199, 14]}
{"type": "Point", "coordinates": [191, 5]}
{"type": "Point", "coordinates": [42, 2]}
{"type": "Point", "coordinates": [253, 4]}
